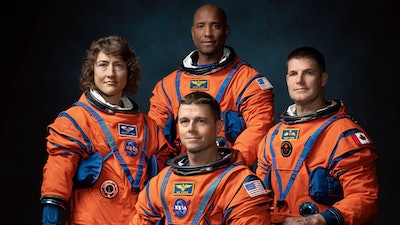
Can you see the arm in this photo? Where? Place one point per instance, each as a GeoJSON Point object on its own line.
{"type": "Point", "coordinates": [159, 106]}
{"type": "Point", "coordinates": [147, 213]}
{"type": "Point", "coordinates": [263, 164]}
{"type": "Point", "coordinates": [65, 149]}
{"type": "Point", "coordinates": [360, 184]}
{"type": "Point", "coordinates": [250, 208]}
{"type": "Point", "coordinates": [258, 113]}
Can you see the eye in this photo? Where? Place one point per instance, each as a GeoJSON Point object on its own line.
{"type": "Point", "coordinates": [199, 26]}
{"type": "Point", "coordinates": [183, 121]}
{"type": "Point", "coordinates": [103, 65]}
{"type": "Point", "coordinates": [119, 66]}
{"type": "Point", "coordinates": [216, 26]}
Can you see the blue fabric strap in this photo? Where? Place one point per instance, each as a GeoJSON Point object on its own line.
{"type": "Point", "coordinates": [113, 146]}
{"type": "Point", "coordinates": [207, 196]}
{"type": "Point", "coordinates": [204, 201]}
{"type": "Point", "coordinates": [162, 191]}
{"type": "Point", "coordinates": [307, 148]}
{"type": "Point", "coordinates": [221, 89]}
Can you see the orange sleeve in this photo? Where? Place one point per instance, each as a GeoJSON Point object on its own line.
{"type": "Point", "coordinates": [159, 105]}
{"type": "Point", "coordinates": [258, 113]}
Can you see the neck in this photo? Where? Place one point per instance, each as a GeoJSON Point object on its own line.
{"type": "Point", "coordinates": [203, 157]}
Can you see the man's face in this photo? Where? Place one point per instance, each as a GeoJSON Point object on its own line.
{"type": "Point", "coordinates": [209, 32]}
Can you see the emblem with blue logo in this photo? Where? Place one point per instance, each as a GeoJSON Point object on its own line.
{"type": "Point", "coordinates": [181, 207]}
{"type": "Point", "coordinates": [131, 148]}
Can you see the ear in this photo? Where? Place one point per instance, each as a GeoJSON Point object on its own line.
{"type": "Point", "coordinates": [227, 31]}
{"type": "Point", "coordinates": [220, 124]}
{"type": "Point", "coordinates": [324, 79]}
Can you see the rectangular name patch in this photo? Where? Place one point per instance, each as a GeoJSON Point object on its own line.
{"type": "Point", "coordinates": [183, 188]}
{"type": "Point", "coordinates": [127, 130]}
{"type": "Point", "coordinates": [199, 85]}
{"type": "Point", "coordinates": [290, 134]}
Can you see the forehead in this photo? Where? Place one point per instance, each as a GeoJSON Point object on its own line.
{"type": "Point", "coordinates": [207, 14]}
{"type": "Point", "coordinates": [107, 57]}
{"type": "Point", "coordinates": [194, 110]}
{"type": "Point", "coordinates": [301, 63]}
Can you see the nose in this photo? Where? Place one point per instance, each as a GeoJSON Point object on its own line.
{"type": "Point", "coordinates": [191, 126]}
{"type": "Point", "coordinates": [299, 78]}
{"type": "Point", "coordinates": [207, 31]}
{"type": "Point", "coordinates": [110, 69]}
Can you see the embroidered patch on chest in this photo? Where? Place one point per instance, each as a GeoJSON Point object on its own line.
{"type": "Point", "coordinates": [109, 189]}
{"type": "Point", "coordinates": [183, 188]}
{"type": "Point", "coordinates": [181, 207]}
{"type": "Point", "coordinates": [131, 148]}
{"type": "Point", "coordinates": [286, 148]}
{"type": "Point", "coordinates": [127, 130]}
{"type": "Point", "coordinates": [290, 134]}
{"type": "Point", "coordinates": [199, 85]}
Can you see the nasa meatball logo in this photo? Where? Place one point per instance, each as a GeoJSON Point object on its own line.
{"type": "Point", "coordinates": [131, 148]}
{"type": "Point", "coordinates": [181, 207]}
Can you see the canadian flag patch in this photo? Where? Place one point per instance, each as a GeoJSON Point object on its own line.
{"type": "Point", "coordinates": [360, 138]}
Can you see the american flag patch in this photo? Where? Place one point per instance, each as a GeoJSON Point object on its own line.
{"type": "Point", "coordinates": [360, 138]}
{"type": "Point", "coordinates": [254, 188]}
{"type": "Point", "coordinates": [264, 83]}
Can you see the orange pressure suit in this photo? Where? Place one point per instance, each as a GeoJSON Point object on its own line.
{"type": "Point", "coordinates": [224, 192]}
{"type": "Point", "coordinates": [76, 134]}
{"type": "Point", "coordinates": [237, 87]}
{"type": "Point", "coordinates": [294, 148]}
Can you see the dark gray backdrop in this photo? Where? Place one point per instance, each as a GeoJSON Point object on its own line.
{"type": "Point", "coordinates": [45, 45]}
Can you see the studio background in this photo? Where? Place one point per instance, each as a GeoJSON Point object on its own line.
{"type": "Point", "coordinates": [45, 45]}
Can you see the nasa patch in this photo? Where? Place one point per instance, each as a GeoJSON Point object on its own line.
{"type": "Point", "coordinates": [131, 148]}
{"type": "Point", "coordinates": [181, 207]}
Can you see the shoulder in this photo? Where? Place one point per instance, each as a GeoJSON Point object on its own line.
{"type": "Point", "coordinates": [170, 76]}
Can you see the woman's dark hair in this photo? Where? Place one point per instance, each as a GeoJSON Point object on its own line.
{"type": "Point", "coordinates": [115, 46]}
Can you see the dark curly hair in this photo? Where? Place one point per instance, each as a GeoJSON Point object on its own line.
{"type": "Point", "coordinates": [115, 46]}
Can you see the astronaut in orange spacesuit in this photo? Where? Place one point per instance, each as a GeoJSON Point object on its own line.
{"type": "Point", "coordinates": [319, 163]}
{"type": "Point", "coordinates": [104, 130]}
{"type": "Point", "coordinates": [206, 184]}
{"type": "Point", "coordinates": [245, 95]}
